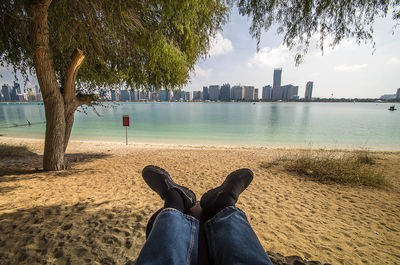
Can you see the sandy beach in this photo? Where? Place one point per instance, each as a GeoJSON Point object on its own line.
{"type": "Point", "coordinates": [96, 213]}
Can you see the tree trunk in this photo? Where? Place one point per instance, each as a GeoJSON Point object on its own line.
{"type": "Point", "coordinates": [69, 121]}
{"type": "Point", "coordinates": [59, 107]}
{"type": "Point", "coordinates": [53, 158]}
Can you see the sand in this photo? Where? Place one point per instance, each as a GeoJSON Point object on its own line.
{"type": "Point", "coordinates": [96, 212]}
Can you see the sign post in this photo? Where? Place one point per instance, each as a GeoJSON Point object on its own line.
{"type": "Point", "coordinates": [125, 123]}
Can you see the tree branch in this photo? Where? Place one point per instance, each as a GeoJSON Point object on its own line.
{"type": "Point", "coordinates": [71, 73]}
{"type": "Point", "coordinates": [86, 99]}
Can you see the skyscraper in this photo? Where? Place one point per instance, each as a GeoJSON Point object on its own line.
{"type": "Point", "coordinates": [205, 93]}
{"type": "Point", "coordinates": [225, 94]}
{"type": "Point", "coordinates": [197, 95]}
{"type": "Point", "coordinates": [309, 88]}
{"type": "Point", "coordinates": [114, 95]}
{"type": "Point", "coordinates": [125, 95]}
{"type": "Point", "coordinates": [237, 93]}
{"type": "Point", "coordinates": [248, 93]}
{"type": "Point", "coordinates": [188, 96]}
{"type": "Point", "coordinates": [163, 95]}
{"type": "Point", "coordinates": [135, 95]}
{"type": "Point", "coordinates": [256, 94]}
{"type": "Point", "coordinates": [17, 87]}
{"type": "Point", "coordinates": [214, 92]}
{"type": "Point", "coordinates": [398, 94]}
{"type": "Point", "coordinates": [277, 77]}
{"type": "Point", "coordinates": [6, 90]}
{"type": "Point", "coordinates": [277, 92]}
{"type": "Point", "coordinates": [290, 92]}
{"type": "Point", "coordinates": [183, 96]}
{"type": "Point", "coordinates": [177, 96]}
{"type": "Point", "coordinates": [14, 94]}
{"type": "Point", "coordinates": [266, 93]}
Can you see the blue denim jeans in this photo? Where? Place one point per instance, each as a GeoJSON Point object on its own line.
{"type": "Point", "coordinates": [230, 238]}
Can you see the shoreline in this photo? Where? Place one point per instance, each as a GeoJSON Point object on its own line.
{"type": "Point", "coordinates": [139, 144]}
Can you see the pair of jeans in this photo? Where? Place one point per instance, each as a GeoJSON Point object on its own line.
{"type": "Point", "coordinates": [230, 238]}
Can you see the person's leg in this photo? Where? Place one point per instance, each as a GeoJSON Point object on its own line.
{"type": "Point", "coordinates": [230, 238]}
{"type": "Point", "coordinates": [174, 235]}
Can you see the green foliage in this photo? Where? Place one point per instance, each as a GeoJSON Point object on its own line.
{"type": "Point", "coordinates": [157, 42]}
{"type": "Point", "coordinates": [355, 168]}
{"type": "Point", "coordinates": [300, 20]}
{"type": "Point", "coordinates": [12, 151]}
{"type": "Point", "coordinates": [139, 43]}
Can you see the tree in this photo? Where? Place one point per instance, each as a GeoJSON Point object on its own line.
{"type": "Point", "coordinates": [300, 20]}
{"type": "Point", "coordinates": [132, 42]}
{"type": "Point", "coordinates": [149, 43]}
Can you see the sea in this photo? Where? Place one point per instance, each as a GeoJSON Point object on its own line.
{"type": "Point", "coordinates": [269, 124]}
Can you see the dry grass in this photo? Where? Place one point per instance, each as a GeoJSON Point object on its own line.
{"type": "Point", "coordinates": [355, 168]}
{"type": "Point", "coordinates": [14, 151]}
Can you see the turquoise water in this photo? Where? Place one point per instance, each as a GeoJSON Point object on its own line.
{"type": "Point", "coordinates": [331, 125]}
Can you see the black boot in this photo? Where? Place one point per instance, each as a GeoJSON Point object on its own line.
{"type": "Point", "coordinates": [228, 193]}
{"type": "Point", "coordinates": [159, 180]}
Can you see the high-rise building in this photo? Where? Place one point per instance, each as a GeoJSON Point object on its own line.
{"type": "Point", "coordinates": [144, 95]}
{"type": "Point", "coordinates": [134, 95]}
{"type": "Point", "coordinates": [125, 95]}
{"type": "Point", "coordinates": [37, 89]}
{"type": "Point", "coordinates": [214, 92]}
{"type": "Point", "coordinates": [277, 77]}
{"type": "Point", "coordinates": [154, 96]}
{"type": "Point", "coordinates": [6, 90]}
{"type": "Point", "coordinates": [163, 95]}
{"type": "Point", "coordinates": [114, 95]}
{"type": "Point", "coordinates": [266, 93]}
{"type": "Point", "coordinates": [177, 96]}
{"type": "Point", "coordinates": [248, 93]}
{"type": "Point", "coordinates": [183, 95]}
{"type": "Point", "coordinates": [309, 88]}
{"type": "Point", "coordinates": [398, 94]}
{"type": "Point", "coordinates": [205, 93]}
{"type": "Point", "coordinates": [14, 94]}
{"type": "Point", "coordinates": [189, 96]}
{"type": "Point", "coordinates": [291, 92]}
{"type": "Point", "coordinates": [17, 87]}
{"type": "Point", "coordinates": [32, 96]}
{"type": "Point", "coordinates": [197, 95]}
{"type": "Point", "coordinates": [277, 92]}
{"type": "Point", "coordinates": [225, 94]}
{"type": "Point", "coordinates": [256, 94]}
{"type": "Point", "coordinates": [237, 93]}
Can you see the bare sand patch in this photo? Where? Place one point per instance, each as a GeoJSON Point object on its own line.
{"type": "Point", "coordinates": [97, 211]}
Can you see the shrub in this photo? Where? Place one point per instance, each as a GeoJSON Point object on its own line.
{"type": "Point", "coordinates": [354, 168]}
{"type": "Point", "coordinates": [11, 150]}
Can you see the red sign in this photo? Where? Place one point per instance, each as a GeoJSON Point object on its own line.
{"type": "Point", "coordinates": [125, 120]}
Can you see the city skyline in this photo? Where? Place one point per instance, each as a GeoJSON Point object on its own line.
{"type": "Point", "coordinates": [348, 71]}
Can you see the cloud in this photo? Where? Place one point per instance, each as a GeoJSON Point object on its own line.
{"type": "Point", "coordinates": [270, 57]}
{"type": "Point", "coordinates": [220, 45]}
{"type": "Point", "coordinates": [201, 72]}
{"type": "Point", "coordinates": [350, 68]}
{"type": "Point", "coordinates": [393, 60]}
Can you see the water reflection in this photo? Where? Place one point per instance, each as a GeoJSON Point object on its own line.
{"type": "Point", "coordinates": [273, 119]}
{"type": "Point", "coordinates": [305, 117]}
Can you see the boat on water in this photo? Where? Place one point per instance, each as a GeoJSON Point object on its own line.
{"type": "Point", "coordinates": [392, 108]}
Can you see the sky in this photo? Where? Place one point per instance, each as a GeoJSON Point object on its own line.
{"type": "Point", "coordinates": [349, 70]}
